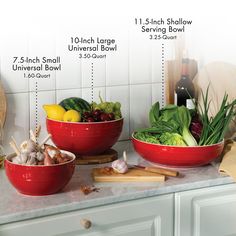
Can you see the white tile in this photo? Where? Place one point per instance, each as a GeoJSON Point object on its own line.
{"type": "Point", "coordinates": [156, 61]}
{"type": "Point", "coordinates": [93, 70]}
{"type": "Point", "coordinates": [117, 68]}
{"type": "Point", "coordinates": [62, 94]}
{"type": "Point", "coordinates": [140, 104]}
{"type": "Point", "coordinates": [43, 97]}
{"type": "Point", "coordinates": [120, 94]}
{"type": "Point", "coordinates": [158, 94]}
{"type": "Point", "coordinates": [139, 59]}
{"type": "Point", "coordinates": [88, 94]}
{"type": "Point", "coordinates": [13, 44]}
{"type": "Point", "coordinates": [70, 76]}
{"type": "Point", "coordinates": [17, 120]}
{"type": "Point", "coordinates": [42, 44]}
{"type": "Point", "coordinates": [169, 50]}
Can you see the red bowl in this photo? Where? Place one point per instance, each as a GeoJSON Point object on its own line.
{"type": "Point", "coordinates": [39, 180]}
{"type": "Point", "coordinates": [85, 138]}
{"type": "Point", "coordinates": [177, 156]}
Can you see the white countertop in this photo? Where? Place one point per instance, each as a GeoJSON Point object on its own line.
{"type": "Point", "coordinates": [16, 207]}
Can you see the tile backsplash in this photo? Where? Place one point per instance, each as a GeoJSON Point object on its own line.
{"type": "Point", "coordinates": [132, 76]}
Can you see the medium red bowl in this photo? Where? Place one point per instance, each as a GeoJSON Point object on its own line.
{"type": "Point", "coordinates": [85, 138]}
{"type": "Point", "coordinates": [177, 156]}
{"type": "Point", "coordinates": [39, 180]}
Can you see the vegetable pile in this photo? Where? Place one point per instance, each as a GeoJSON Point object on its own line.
{"type": "Point", "coordinates": [31, 153]}
{"type": "Point", "coordinates": [179, 126]}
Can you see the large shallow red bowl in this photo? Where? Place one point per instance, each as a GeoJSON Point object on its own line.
{"type": "Point", "coordinates": [177, 156]}
{"type": "Point", "coordinates": [39, 180]}
{"type": "Point", "coordinates": [85, 138]}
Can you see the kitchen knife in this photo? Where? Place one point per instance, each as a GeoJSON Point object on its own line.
{"type": "Point", "coordinates": [157, 170]}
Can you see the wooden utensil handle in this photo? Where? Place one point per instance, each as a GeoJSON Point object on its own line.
{"type": "Point", "coordinates": [162, 171]}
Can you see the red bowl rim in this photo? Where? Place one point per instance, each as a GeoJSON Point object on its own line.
{"type": "Point", "coordinates": [170, 146]}
{"type": "Point", "coordinates": [42, 166]}
{"type": "Point", "coordinates": [84, 123]}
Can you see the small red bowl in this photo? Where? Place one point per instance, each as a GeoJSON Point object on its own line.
{"type": "Point", "coordinates": [39, 180]}
{"type": "Point", "coordinates": [177, 156]}
{"type": "Point", "coordinates": [85, 138]}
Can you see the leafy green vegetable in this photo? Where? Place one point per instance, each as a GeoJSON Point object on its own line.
{"type": "Point", "coordinates": [214, 128]}
{"type": "Point", "coordinates": [147, 137]}
{"type": "Point", "coordinates": [169, 119]}
{"type": "Point", "coordinates": [183, 117]}
{"type": "Point", "coordinates": [160, 127]}
{"type": "Point", "coordinates": [154, 113]}
{"type": "Point", "coordinates": [171, 124]}
{"type": "Point", "coordinates": [173, 139]}
{"type": "Point", "coordinates": [167, 112]}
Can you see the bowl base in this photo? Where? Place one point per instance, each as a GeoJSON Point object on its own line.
{"type": "Point", "coordinates": [36, 195]}
{"type": "Point", "coordinates": [108, 156]}
{"type": "Point", "coordinates": [176, 167]}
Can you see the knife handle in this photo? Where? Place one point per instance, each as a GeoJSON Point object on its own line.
{"type": "Point", "coordinates": [162, 171]}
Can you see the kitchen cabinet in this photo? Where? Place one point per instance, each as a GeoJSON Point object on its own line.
{"type": "Point", "coordinates": [206, 212]}
{"type": "Point", "coordinates": [148, 216]}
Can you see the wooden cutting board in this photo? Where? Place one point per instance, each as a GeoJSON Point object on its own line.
{"type": "Point", "coordinates": [3, 105]}
{"type": "Point", "coordinates": [133, 175]}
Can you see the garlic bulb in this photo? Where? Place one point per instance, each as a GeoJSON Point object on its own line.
{"type": "Point", "coordinates": [28, 146]}
{"type": "Point", "coordinates": [120, 166]}
{"type": "Point", "coordinates": [40, 156]}
{"type": "Point", "coordinates": [20, 159]}
{"type": "Point", "coordinates": [23, 157]}
{"type": "Point", "coordinates": [31, 160]}
{"type": "Point", "coordinates": [16, 160]}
